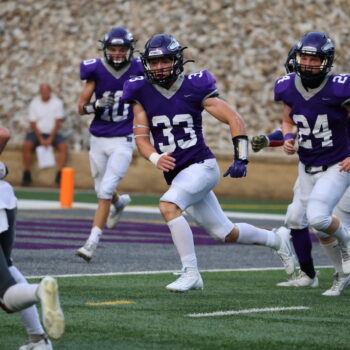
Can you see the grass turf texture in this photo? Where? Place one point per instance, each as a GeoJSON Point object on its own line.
{"type": "Point", "coordinates": [157, 319]}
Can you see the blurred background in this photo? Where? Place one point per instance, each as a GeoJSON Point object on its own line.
{"type": "Point", "coordinates": [243, 43]}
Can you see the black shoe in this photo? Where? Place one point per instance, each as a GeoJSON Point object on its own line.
{"type": "Point", "coordinates": [58, 178]}
{"type": "Point", "coordinates": [27, 178]}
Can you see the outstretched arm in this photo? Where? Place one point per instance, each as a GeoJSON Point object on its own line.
{"type": "Point", "coordinates": [275, 139]}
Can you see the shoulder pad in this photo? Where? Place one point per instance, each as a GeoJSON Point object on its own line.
{"type": "Point", "coordinates": [137, 62]}
{"type": "Point", "coordinates": [341, 86]}
{"type": "Point", "coordinates": [88, 67]}
{"type": "Point", "coordinates": [203, 82]}
{"type": "Point", "coordinates": [131, 88]}
{"type": "Point", "coordinates": [282, 84]}
{"type": "Point", "coordinates": [203, 77]}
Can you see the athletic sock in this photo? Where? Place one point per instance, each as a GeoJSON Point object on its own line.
{"type": "Point", "coordinates": [302, 245]}
{"type": "Point", "coordinates": [95, 234]}
{"type": "Point", "coordinates": [182, 236]}
{"type": "Point", "coordinates": [249, 234]}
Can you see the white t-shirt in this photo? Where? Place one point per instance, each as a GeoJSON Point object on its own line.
{"type": "Point", "coordinates": [8, 199]}
{"type": "Point", "coordinates": [46, 113]}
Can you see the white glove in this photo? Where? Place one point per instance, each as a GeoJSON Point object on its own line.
{"type": "Point", "coordinates": [107, 100]}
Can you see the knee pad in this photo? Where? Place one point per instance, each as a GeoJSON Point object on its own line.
{"type": "Point", "coordinates": [320, 223]}
{"type": "Point", "coordinates": [296, 216]}
{"type": "Point", "coordinates": [106, 191]}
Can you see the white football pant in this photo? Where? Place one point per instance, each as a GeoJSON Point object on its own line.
{"type": "Point", "coordinates": [191, 190]}
{"type": "Point", "coordinates": [109, 160]}
{"type": "Point", "coordinates": [320, 193]}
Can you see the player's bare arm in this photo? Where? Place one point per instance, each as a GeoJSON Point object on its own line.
{"type": "Point", "coordinates": [86, 95]}
{"type": "Point", "coordinates": [226, 114]}
{"type": "Point", "coordinates": [288, 127]}
{"type": "Point", "coordinates": [141, 131]}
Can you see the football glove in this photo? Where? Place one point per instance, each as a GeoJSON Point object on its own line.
{"type": "Point", "coordinates": [237, 169]}
{"type": "Point", "coordinates": [259, 142]}
{"type": "Point", "coordinates": [3, 170]}
{"type": "Point", "coordinates": [240, 159]}
{"type": "Point", "coordinates": [107, 100]}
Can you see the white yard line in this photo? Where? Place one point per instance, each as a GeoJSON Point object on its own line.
{"type": "Point", "coordinates": [247, 311]}
{"type": "Point", "coordinates": [39, 204]}
{"type": "Point", "coordinates": [166, 271]}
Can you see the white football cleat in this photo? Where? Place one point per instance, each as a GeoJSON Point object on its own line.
{"type": "Point", "coordinates": [345, 256]}
{"type": "Point", "coordinates": [339, 284]}
{"type": "Point", "coordinates": [116, 210]}
{"type": "Point", "coordinates": [300, 280]}
{"type": "Point", "coordinates": [87, 250]}
{"type": "Point", "coordinates": [285, 250]}
{"type": "Point", "coordinates": [190, 279]}
{"type": "Point", "coordinates": [43, 344]}
{"type": "Point", "coordinates": [52, 313]}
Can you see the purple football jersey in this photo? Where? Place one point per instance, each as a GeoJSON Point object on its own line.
{"type": "Point", "coordinates": [321, 120]}
{"type": "Point", "coordinates": [115, 120]}
{"type": "Point", "coordinates": [175, 116]}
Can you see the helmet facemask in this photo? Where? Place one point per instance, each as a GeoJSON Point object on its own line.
{"type": "Point", "coordinates": [164, 76]}
{"type": "Point", "coordinates": [115, 59]}
{"type": "Point", "coordinates": [122, 38]}
{"type": "Point", "coordinates": [311, 76]}
{"type": "Point", "coordinates": [158, 47]}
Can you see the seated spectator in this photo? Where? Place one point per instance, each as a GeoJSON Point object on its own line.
{"type": "Point", "coordinates": [46, 113]}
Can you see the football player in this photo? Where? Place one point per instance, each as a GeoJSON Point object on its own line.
{"type": "Point", "coordinates": [296, 221]}
{"type": "Point", "coordinates": [314, 102]}
{"type": "Point", "coordinates": [16, 294]}
{"type": "Point", "coordinates": [112, 142]}
{"type": "Point", "coordinates": [168, 105]}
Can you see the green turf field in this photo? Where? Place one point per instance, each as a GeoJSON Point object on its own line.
{"type": "Point", "coordinates": [136, 312]}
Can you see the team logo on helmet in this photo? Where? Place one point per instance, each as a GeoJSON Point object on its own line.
{"type": "Point", "coordinates": [129, 36]}
{"type": "Point", "coordinates": [174, 45]}
{"type": "Point", "coordinates": [310, 49]}
{"type": "Point", "coordinates": [156, 52]}
{"type": "Point", "coordinates": [117, 41]}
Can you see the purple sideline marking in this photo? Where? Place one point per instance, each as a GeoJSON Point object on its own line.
{"type": "Point", "coordinates": [76, 231]}
{"type": "Point", "coordinates": [69, 230]}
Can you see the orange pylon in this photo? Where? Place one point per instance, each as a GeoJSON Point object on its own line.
{"type": "Point", "coordinates": [67, 187]}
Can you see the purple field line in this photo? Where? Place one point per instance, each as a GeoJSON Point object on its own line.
{"type": "Point", "coordinates": [121, 226]}
{"type": "Point", "coordinates": [62, 235]}
{"type": "Point", "coordinates": [119, 232]}
{"type": "Point", "coordinates": [31, 245]}
{"type": "Point", "coordinates": [83, 223]}
{"type": "Point", "coordinates": [200, 241]}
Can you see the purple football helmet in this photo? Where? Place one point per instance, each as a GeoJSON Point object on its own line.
{"type": "Point", "coordinates": [159, 46]}
{"type": "Point", "coordinates": [118, 36]}
{"type": "Point", "coordinates": [316, 44]}
{"type": "Point", "coordinates": [290, 61]}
